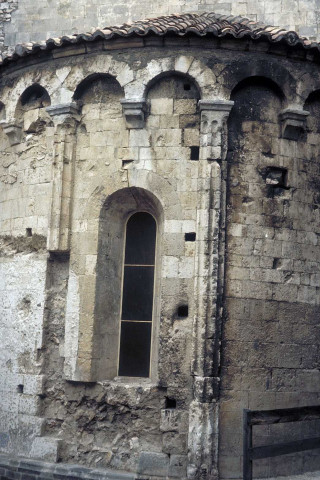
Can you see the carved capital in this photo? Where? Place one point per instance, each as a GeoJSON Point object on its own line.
{"type": "Point", "coordinates": [134, 112]}
{"type": "Point", "coordinates": [13, 132]}
{"type": "Point", "coordinates": [293, 123]}
{"type": "Point", "coordinates": [223, 106]}
{"type": "Point", "coordinates": [64, 112]}
{"type": "Point", "coordinates": [214, 114]}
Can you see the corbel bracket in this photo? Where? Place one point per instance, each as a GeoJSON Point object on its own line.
{"type": "Point", "coordinates": [216, 105]}
{"type": "Point", "coordinates": [13, 132]}
{"type": "Point", "coordinates": [134, 112]}
{"type": "Point", "coordinates": [64, 110]}
{"type": "Point", "coordinates": [293, 123]}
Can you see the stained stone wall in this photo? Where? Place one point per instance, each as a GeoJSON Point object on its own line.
{"type": "Point", "coordinates": [272, 280]}
{"type": "Point", "coordinates": [24, 21]}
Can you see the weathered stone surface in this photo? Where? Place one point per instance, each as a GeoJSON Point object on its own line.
{"type": "Point", "coordinates": [153, 464]}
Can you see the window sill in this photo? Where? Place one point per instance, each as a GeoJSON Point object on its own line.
{"type": "Point", "coordinates": [134, 382]}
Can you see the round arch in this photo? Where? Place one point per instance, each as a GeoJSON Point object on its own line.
{"type": "Point", "coordinates": [197, 72]}
{"type": "Point", "coordinates": [271, 72]}
{"type": "Point", "coordinates": [88, 81]}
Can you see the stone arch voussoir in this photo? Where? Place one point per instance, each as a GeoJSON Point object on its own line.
{"type": "Point", "coordinates": [202, 76]}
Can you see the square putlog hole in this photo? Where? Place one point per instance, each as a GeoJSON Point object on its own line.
{"type": "Point", "coordinates": [183, 311]}
{"type": "Point", "coordinates": [277, 177]}
{"type": "Point", "coordinates": [194, 153]}
{"type": "Point", "coordinates": [190, 237]}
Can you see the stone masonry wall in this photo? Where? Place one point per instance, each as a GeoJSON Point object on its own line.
{"type": "Point", "coordinates": [269, 356]}
{"type": "Point", "coordinates": [22, 294]}
{"type": "Point", "coordinates": [109, 424]}
{"type": "Point", "coordinates": [49, 18]}
{"type": "Point", "coordinates": [64, 164]}
{"type": "Point", "coordinates": [6, 9]}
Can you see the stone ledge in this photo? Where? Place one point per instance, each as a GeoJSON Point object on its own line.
{"type": "Point", "coordinates": [19, 468]}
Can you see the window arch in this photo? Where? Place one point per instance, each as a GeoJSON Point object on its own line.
{"type": "Point", "coordinates": [137, 296]}
{"type": "Point", "coordinates": [131, 220]}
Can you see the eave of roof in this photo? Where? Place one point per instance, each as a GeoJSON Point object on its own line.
{"type": "Point", "coordinates": [200, 24]}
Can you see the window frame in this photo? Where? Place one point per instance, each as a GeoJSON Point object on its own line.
{"type": "Point", "coordinates": [154, 305]}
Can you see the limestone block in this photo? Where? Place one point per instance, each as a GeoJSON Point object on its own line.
{"type": "Point", "coordinates": [31, 422]}
{"type": "Point", "coordinates": [186, 267]}
{"type": "Point", "coordinates": [33, 384]}
{"type": "Point", "coordinates": [98, 139]}
{"type": "Point", "coordinates": [139, 138]}
{"type": "Point", "coordinates": [173, 244]}
{"type": "Point", "coordinates": [125, 75]}
{"type": "Point", "coordinates": [183, 63]}
{"type": "Point", "coordinates": [153, 464]}
{"type": "Point", "coordinates": [167, 137]}
{"type": "Point", "coordinates": [10, 403]}
{"type": "Point", "coordinates": [173, 226]}
{"type": "Point", "coordinates": [185, 106]}
{"type": "Point", "coordinates": [191, 137]}
{"type": "Point", "coordinates": [161, 106]}
{"type": "Point", "coordinates": [174, 443]}
{"type": "Point", "coordinates": [90, 264]}
{"type": "Point", "coordinates": [170, 267]}
{"type": "Point", "coordinates": [178, 466]}
{"type": "Point", "coordinates": [169, 420]}
{"type": "Point", "coordinates": [46, 448]}
{"type": "Point", "coordinates": [145, 153]}
{"type": "Point", "coordinates": [29, 404]}
{"type": "Point", "coordinates": [168, 121]}
{"type": "Point", "coordinates": [153, 121]}
{"type": "Point", "coordinates": [30, 119]}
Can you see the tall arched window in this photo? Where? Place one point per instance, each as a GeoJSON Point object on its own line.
{"type": "Point", "coordinates": [137, 296]}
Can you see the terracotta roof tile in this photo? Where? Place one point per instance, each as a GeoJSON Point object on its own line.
{"type": "Point", "coordinates": [200, 24]}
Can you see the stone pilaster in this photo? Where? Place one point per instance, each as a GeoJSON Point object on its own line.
{"type": "Point", "coordinates": [65, 118]}
{"type": "Point", "coordinates": [203, 426]}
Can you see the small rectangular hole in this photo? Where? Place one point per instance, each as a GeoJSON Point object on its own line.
{"type": "Point", "coordinates": [183, 311]}
{"type": "Point", "coordinates": [187, 86]}
{"type": "Point", "coordinates": [126, 163]}
{"type": "Point", "coordinates": [194, 153]}
{"type": "Point", "coordinates": [28, 232]}
{"type": "Point", "coordinates": [20, 388]}
{"type": "Point", "coordinates": [171, 403]}
{"type": "Point", "coordinates": [277, 177]}
{"type": "Point", "coordinates": [190, 237]}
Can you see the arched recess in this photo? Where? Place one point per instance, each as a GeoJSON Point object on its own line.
{"type": "Point", "coordinates": [82, 358]}
{"type": "Point", "coordinates": [197, 72]}
{"type": "Point", "coordinates": [34, 98]}
{"type": "Point", "coordinates": [116, 211]}
{"type": "Point", "coordinates": [102, 121]}
{"type": "Point", "coordinates": [256, 99]}
{"type": "Point", "coordinates": [99, 89]}
{"type": "Point", "coordinates": [253, 149]}
{"type": "Point", "coordinates": [96, 88]}
{"type": "Point", "coordinates": [272, 72]}
{"type": "Point", "coordinates": [177, 84]}
{"type": "Point", "coordinates": [173, 99]}
{"type": "Point", "coordinates": [312, 105]}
